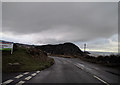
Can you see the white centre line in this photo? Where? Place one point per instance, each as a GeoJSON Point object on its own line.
{"type": "Point", "coordinates": [8, 81]}
{"type": "Point", "coordinates": [19, 76]}
{"type": "Point", "coordinates": [33, 74]}
{"type": "Point", "coordinates": [81, 65]}
{"type": "Point", "coordinates": [101, 80]}
{"type": "Point", "coordinates": [28, 78]}
{"type": "Point", "coordinates": [78, 66]}
{"type": "Point", "coordinates": [26, 73]}
{"type": "Point", "coordinates": [20, 82]}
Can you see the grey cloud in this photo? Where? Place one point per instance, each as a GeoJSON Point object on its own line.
{"type": "Point", "coordinates": [75, 21]}
{"type": "Point", "coordinates": [107, 44]}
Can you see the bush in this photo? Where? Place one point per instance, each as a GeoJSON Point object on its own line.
{"type": "Point", "coordinates": [106, 60]}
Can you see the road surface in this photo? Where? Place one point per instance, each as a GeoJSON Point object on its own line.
{"type": "Point", "coordinates": [68, 70]}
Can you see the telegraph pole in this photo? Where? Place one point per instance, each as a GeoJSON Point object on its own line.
{"type": "Point", "coordinates": [85, 47]}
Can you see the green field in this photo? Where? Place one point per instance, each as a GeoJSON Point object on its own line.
{"type": "Point", "coordinates": [7, 49]}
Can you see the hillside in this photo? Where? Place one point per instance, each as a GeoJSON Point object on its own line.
{"type": "Point", "coordinates": [64, 50]}
{"type": "Point", "coordinates": [25, 59]}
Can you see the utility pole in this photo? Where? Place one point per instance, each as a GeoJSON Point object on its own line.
{"type": "Point", "coordinates": [85, 47]}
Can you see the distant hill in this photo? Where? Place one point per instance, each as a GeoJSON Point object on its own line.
{"type": "Point", "coordinates": [2, 41]}
{"type": "Point", "coordinates": [66, 49]}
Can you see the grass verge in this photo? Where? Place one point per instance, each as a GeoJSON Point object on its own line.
{"type": "Point", "coordinates": [21, 61]}
{"type": "Point", "coordinates": [7, 49]}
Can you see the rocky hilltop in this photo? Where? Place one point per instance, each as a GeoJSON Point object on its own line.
{"type": "Point", "coordinates": [66, 49]}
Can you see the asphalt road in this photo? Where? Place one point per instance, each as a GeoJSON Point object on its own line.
{"type": "Point", "coordinates": [68, 70]}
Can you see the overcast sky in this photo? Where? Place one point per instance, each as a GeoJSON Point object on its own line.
{"type": "Point", "coordinates": [94, 23]}
{"type": "Point", "coordinates": [60, 0]}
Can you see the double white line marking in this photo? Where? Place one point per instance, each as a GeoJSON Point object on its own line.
{"type": "Point", "coordinates": [37, 71]}
{"type": "Point", "coordinates": [8, 81]}
{"type": "Point", "coordinates": [34, 74]}
{"type": "Point", "coordinates": [26, 73]}
{"type": "Point", "coordinates": [20, 82]}
{"type": "Point", "coordinates": [19, 76]}
{"type": "Point", "coordinates": [28, 78]}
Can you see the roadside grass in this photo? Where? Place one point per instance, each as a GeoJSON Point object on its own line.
{"type": "Point", "coordinates": [26, 61]}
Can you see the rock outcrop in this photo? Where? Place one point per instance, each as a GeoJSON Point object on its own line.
{"type": "Point", "coordinates": [37, 54]}
{"type": "Point", "coordinates": [31, 50]}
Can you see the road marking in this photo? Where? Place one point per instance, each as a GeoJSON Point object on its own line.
{"type": "Point", "coordinates": [20, 82]}
{"type": "Point", "coordinates": [19, 76]}
{"type": "Point", "coordinates": [8, 81]}
{"type": "Point", "coordinates": [68, 61]}
{"type": "Point", "coordinates": [37, 71]}
{"type": "Point", "coordinates": [81, 65]}
{"type": "Point", "coordinates": [28, 78]}
{"type": "Point", "coordinates": [78, 66]}
{"type": "Point", "coordinates": [33, 74]}
{"type": "Point", "coordinates": [101, 80]}
{"type": "Point", "coordinates": [26, 73]}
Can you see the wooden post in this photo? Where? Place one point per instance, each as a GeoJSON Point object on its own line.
{"type": "Point", "coordinates": [12, 48]}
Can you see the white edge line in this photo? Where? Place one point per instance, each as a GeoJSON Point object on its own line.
{"type": "Point", "coordinates": [101, 80]}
